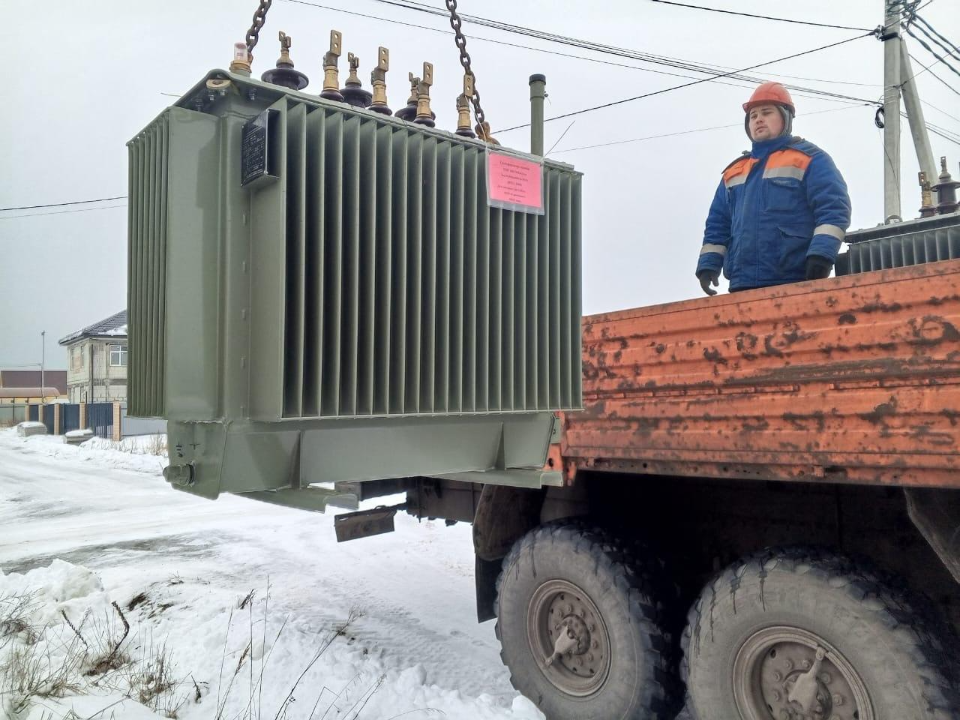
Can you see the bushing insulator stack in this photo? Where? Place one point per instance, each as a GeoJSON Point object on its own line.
{"type": "Point", "coordinates": [946, 190]}
{"type": "Point", "coordinates": [331, 76]}
{"type": "Point", "coordinates": [353, 92]}
{"type": "Point", "coordinates": [283, 74]}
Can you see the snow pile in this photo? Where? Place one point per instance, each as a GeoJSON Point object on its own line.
{"type": "Point", "coordinates": [53, 589]}
{"type": "Point", "coordinates": [65, 647]}
{"type": "Point", "coordinates": [373, 630]}
{"type": "Point", "coordinates": [41, 657]}
{"type": "Point", "coordinates": [144, 453]}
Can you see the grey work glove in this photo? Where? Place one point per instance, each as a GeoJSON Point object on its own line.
{"type": "Point", "coordinates": [706, 277]}
{"type": "Point", "coordinates": [818, 267]}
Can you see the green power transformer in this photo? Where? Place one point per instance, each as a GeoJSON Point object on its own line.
{"type": "Point", "coordinates": [320, 294]}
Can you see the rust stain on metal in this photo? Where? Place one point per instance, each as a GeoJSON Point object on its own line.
{"type": "Point", "coordinates": [937, 301]}
{"type": "Point", "coordinates": [881, 412]}
{"type": "Point", "coordinates": [814, 421]}
{"type": "Point", "coordinates": [933, 330]}
{"type": "Point", "coordinates": [769, 349]}
{"type": "Point", "coordinates": [713, 355]}
{"type": "Point", "coordinates": [758, 425]}
{"type": "Point", "coordinates": [879, 305]}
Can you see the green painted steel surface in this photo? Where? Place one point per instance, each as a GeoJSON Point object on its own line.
{"type": "Point", "coordinates": [362, 315]}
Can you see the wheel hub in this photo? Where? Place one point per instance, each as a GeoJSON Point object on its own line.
{"type": "Point", "coordinates": [792, 674]}
{"type": "Point", "coordinates": [569, 638]}
{"type": "Point", "coordinates": [578, 628]}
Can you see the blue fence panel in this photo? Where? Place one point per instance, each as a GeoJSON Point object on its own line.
{"type": "Point", "coordinates": [100, 419]}
{"type": "Point", "coordinates": [32, 413]}
{"type": "Point", "coordinates": [48, 417]}
{"type": "Point", "coordinates": [69, 418]}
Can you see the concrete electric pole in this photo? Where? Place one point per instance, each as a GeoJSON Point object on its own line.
{"type": "Point", "coordinates": [891, 111]}
{"type": "Point", "coordinates": [918, 126]}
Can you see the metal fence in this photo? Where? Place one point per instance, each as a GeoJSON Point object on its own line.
{"type": "Point", "coordinates": [69, 418]}
{"type": "Point", "coordinates": [12, 414]}
{"type": "Point", "coordinates": [49, 419]}
{"type": "Point", "coordinates": [133, 426]}
{"type": "Point", "coordinates": [100, 419]}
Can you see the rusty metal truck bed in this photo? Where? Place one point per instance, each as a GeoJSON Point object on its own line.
{"type": "Point", "coordinates": [853, 379]}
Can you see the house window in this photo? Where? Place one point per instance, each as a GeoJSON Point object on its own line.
{"type": "Point", "coordinates": [118, 355]}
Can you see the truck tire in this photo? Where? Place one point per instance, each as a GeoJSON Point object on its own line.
{"type": "Point", "coordinates": [572, 579]}
{"type": "Point", "coordinates": [759, 628]}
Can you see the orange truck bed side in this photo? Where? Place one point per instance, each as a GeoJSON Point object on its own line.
{"type": "Point", "coordinates": [854, 379]}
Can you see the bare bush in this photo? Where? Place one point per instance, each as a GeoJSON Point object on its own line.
{"type": "Point", "coordinates": [156, 445]}
{"type": "Point", "coordinates": [15, 612]}
{"type": "Point", "coordinates": [30, 671]}
{"type": "Point", "coordinates": [139, 445]}
{"type": "Point", "coordinates": [151, 682]}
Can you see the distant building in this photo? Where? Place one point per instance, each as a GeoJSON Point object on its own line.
{"type": "Point", "coordinates": [97, 361]}
{"type": "Point", "coordinates": [54, 382]}
{"type": "Point", "coordinates": [22, 396]}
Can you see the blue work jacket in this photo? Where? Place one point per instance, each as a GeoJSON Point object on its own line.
{"type": "Point", "coordinates": [784, 201]}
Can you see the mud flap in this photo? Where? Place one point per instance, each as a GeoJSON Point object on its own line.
{"type": "Point", "coordinates": [936, 513]}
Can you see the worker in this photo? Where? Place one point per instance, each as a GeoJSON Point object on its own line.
{"type": "Point", "coordinates": [781, 210]}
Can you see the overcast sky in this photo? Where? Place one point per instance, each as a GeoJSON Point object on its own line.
{"type": "Point", "coordinates": [83, 77]}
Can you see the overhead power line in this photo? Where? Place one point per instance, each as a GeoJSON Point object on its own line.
{"type": "Point", "coordinates": [505, 43]}
{"type": "Point", "coordinates": [928, 68]}
{"type": "Point", "coordinates": [761, 17]}
{"type": "Point", "coordinates": [934, 31]}
{"type": "Point", "coordinates": [944, 135]}
{"type": "Point", "coordinates": [947, 47]}
{"type": "Point", "coordinates": [732, 82]}
{"type": "Point", "coordinates": [941, 111]}
{"type": "Point", "coordinates": [62, 212]}
{"type": "Point", "coordinates": [697, 82]}
{"type": "Point", "coordinates": [931, 50]}
{"type": "Point", "coordinates": [702, 68]}
{"type": "Point", "coordinates": [683, 132]}
{"type": "Point", "coordinates": [64, 204]}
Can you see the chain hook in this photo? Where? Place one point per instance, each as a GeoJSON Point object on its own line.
{"type": "Point", "coordinates": [253, 34]}
{"type": "Point", "coordinates": [483, 127]}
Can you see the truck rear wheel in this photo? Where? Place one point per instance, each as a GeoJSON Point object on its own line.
{"type": "Point", "coordinates": [805, 635]}
{"type": "Point", "coordinates": [581, 626]}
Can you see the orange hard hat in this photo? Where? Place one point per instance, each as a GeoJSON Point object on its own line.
{"type": "Point", "coordinates": [770, 93]}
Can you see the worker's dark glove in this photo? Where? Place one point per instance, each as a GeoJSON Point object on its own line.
{"type": "Point", "coordinates": [818, 267]}
{"type": "Point", "coordinates": [706, 277]}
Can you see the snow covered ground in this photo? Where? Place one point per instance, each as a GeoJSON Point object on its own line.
{"type": "Point", "coordinates": [252, 608]}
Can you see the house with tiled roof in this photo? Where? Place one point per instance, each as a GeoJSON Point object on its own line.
{"type": "Point", "coordinates": [97, 361]}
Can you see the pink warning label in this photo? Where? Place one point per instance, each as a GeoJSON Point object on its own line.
{"type": "Point", "coordinates": [514, 183]}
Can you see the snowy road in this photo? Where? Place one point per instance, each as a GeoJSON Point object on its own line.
{"type": "Point", "coordinates": [112, 513]}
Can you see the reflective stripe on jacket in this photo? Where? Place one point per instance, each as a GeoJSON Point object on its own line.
{"type": "Point", "coordinates": [774, 207]}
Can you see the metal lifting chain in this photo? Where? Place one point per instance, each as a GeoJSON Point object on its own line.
{"type": "Point", "coordinates": [259, 18]}
{"type": "Point", "coordinates": [461, 41]}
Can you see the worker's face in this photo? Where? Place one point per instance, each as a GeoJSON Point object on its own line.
{"type": "Point", "coordinates": [766, 122]}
